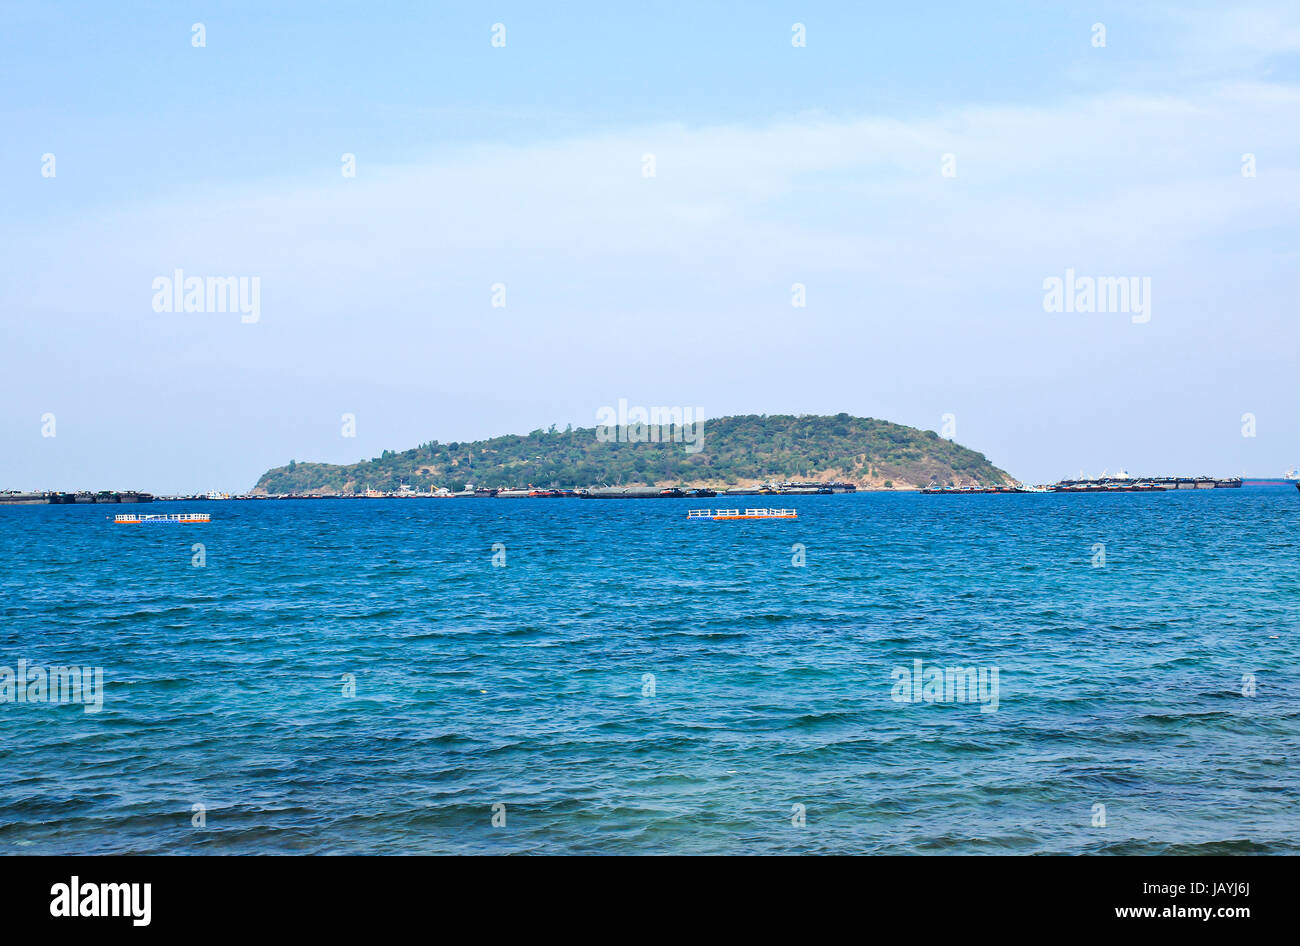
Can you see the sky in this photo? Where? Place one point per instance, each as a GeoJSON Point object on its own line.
{"type": "Point", "coordinates": [642, 186]}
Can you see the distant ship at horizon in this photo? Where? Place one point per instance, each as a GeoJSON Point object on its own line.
{"type": "Point", "coordinates": [1289, 478]}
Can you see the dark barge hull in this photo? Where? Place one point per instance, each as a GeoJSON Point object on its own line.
{"type": "Point", "coordinates": [67, 499]}
{"type": "Point", "coordinates": [645, 492]}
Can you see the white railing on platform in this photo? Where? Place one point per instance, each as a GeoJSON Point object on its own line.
{"type": "Point", "coordinates": [747, 514]}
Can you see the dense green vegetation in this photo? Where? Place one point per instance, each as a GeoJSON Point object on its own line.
{"type": "Point", "coordinates": [734, 450]}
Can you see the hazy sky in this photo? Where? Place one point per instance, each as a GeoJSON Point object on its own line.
{"type": "Point", "coordinates": [525, 165]}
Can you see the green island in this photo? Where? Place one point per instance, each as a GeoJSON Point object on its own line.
{"type": "Point", "coordinates": [744, 449]}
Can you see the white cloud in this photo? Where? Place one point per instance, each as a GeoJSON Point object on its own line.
{"type": "Point", "coordinates": [1141, 177]}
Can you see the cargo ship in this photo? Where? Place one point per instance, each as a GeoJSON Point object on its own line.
{"type": "Point", "coordinates": [1289, 478]}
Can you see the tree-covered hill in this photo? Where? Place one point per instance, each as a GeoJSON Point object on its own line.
{"type": "Point", "coordinates": [733, 450]}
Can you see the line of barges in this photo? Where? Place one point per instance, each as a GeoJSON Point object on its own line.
{"type": "Point", "coordinates": [1122, 483]}
{"type": "Point", "coordinates": [15, 497]}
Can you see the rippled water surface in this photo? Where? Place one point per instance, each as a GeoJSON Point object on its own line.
{"type": "Point", "coordinates": [525, 685]}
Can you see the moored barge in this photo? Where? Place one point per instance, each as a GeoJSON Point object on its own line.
{"type": "Point", "coordinates": [10, 497]}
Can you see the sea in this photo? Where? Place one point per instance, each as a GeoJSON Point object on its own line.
{"type": "Point", "coordinates": [1116, 674]}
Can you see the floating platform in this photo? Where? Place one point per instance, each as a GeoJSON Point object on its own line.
{"type": "Point", "coordinates": [10, 497]}
{"type": "Point", "coordinates": [717, 515]}
{"type": "Point", "coordinates": [134, 519]}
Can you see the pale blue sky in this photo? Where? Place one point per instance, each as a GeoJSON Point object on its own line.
{"type": "Point", "coordinates": [522, 165]}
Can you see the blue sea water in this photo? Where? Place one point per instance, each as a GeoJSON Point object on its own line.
{"type": "Point", "coordinates": [522, 690]}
